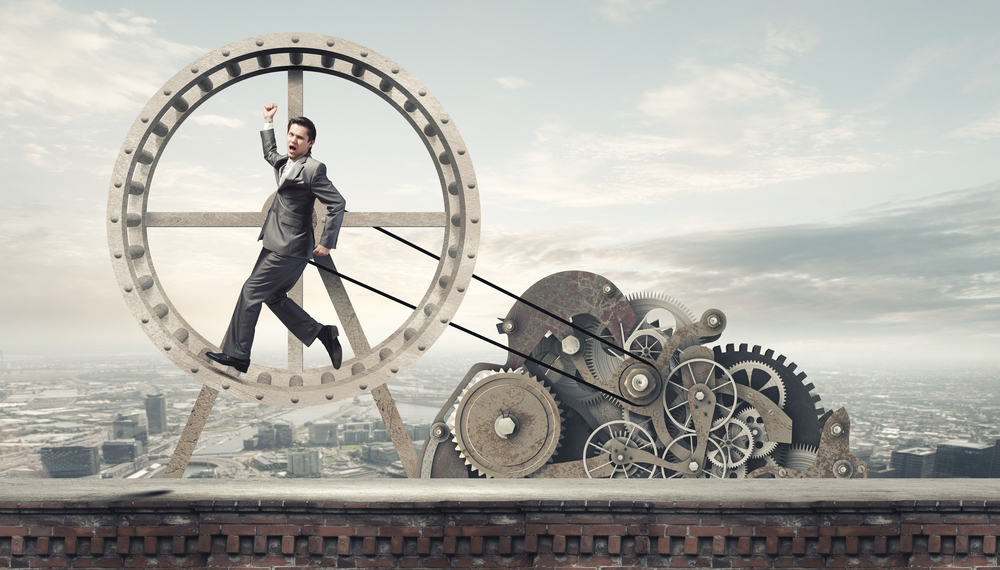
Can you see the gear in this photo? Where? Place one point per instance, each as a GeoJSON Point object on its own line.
{"type": "Point", "coordinates": [800, 401]}
{"type": "Point", "coordinates": [603, 361]}
{"type": "Point", "coordinates": [506, 424]}
{"type": "Point", "coordinates": [762, 444]}
{"type": "Point", "coordinates": [715, 376]}
{"type": "Point", "coordinates": [800, 457]}
{"type": "Point", "coordinates": [600, 443]}
{"type": "Point", "coordinates": [762, 378]}
{"type": "Point", "coordinates": [735, 444]}
{"type": "Point", "coordinates": [681, 450]}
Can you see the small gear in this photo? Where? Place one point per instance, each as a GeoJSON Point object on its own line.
{"type": "Point", "coordinates": [703, 371]}
{"type": "Point", "coordinates": [762, 444]}
{"type": "Point", "coordinates": [681, 450]}
{"type": "Point", "coordinates": [621, 432]}
{"type": "Point", "coordinates": [646, 343]}
{"type": "Point", "coordinates": [735, 444]}
{"type": "Point", "coordinates": [800, 457]}
{"type": "Point", "coordinates": [506, 424]}
{"type": "Point", "coordinates": [761, 378]}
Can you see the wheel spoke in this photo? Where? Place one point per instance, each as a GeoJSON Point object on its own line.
{"type": "Point", "coordinates": [256, 219]}
{"type": "Point", "coordinates": [345, 309]}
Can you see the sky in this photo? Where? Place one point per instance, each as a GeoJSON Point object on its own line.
{"type": "Point", "coordinates": [825, 173]}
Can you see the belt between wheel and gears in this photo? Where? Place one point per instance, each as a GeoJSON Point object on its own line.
{"type": "Point", "coordinates": [479, 336]}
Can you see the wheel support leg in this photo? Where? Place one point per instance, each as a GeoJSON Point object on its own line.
{"type": "Point", "coordinates": [192, 431]}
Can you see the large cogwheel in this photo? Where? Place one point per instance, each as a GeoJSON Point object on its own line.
{"type": "Point", "coordinates": [800, 402]}
{"type": "Point", "coordinates": [506, 425]}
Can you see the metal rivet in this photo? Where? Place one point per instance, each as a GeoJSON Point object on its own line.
{"type": "Point", "coordinates": [118, 255]}
{"type": "Point", "coordinates": [394, 369]}
{"type": "Point", "coordinates": [364, 54]}
{"type": "Point", "coordinates": [260, 43]}
{"type": "Point", "coordinates": [194, 370]}
{"type": "Point", "coordinates": [194, 70]}
{"type": "Point", "coordinates": [461, 151]}
{"type": "Point", "coordinates": [260, 396]}
{"type": "Point", "coordinates": [444, 120]}
{"type": "Point", "coordinates": [167, 92]}
{"type": "Point", "coordinates": [225, 386]}
{"type": "Point", "coordinates": [144, 119]}
{"type": "Point", "coordinates": [395, 70]}
{"type": "Point", "coordinates": [295, 39]}
{"type": "Point", "coordinates": [295, 400]}
{"type": "Point", "coordinates": [363, 386]}
{"type": "Point", "coordinates": [114, 219]}
{"type": "Point", "coordinates": [167, 347]}
{"type": "Point", "coordinates": [471, 255]}
{"type": "Point", "coordinates": [144, 320]}
{"type": "Point", "coordinates": [329, 396]}
{"type": "Point", "coordinates": [118, 184]}
{"type": "Point", "coordinates": [421, 93]}
{"type": "Point", "coordinates": [471, 185]}
{"type": "Point", "coordinates": [128, 288]}
{"type": "Point", "coordinates": [225, 53]}
{"type": "Point", "coordinates": [329, 43]}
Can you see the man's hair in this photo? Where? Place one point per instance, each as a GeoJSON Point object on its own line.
{"type": "Point", "coordinates": [303, 122]}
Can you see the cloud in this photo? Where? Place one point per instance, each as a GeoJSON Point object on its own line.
{"type": "Point", "coordinates": [36, 154]}
{"type": "Point", "coordinates": [512, 82]}
{"type": "Point", "coordinates": [625, 10]}
{"type": "Point", "coordinates": [784, 44]}
{"type": "Point", "coordinates": [982, 129]}
{"type": "Point", "coordinates": [927, 268]}
{"type": "Point", "coordinates": [218, 121]}
{"type": "Point", "coordinates": [59, 61]}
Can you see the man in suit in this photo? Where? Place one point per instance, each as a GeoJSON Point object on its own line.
{"type": "Point", "coordinates": [288, 245]}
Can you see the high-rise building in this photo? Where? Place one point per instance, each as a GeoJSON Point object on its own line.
{"type": "Point", "coordinates": [130, 426]}
{"type": "Point", "coordinates": [303, 463]}
{"type": "Point", "coordinates": [913, 463]}
{"type": "Point", "coordinates": [121, 451]}
{"type": "Point", "coordinates": [995, 469]}
{"type": "Point", "coordinates": [70, 461]}
{"type": "Point", "coordinates": [963, 459]}
{"type": "Point", "coordinates": [323, 433]}
{"type": "Point", "coordinates": [156, 413]}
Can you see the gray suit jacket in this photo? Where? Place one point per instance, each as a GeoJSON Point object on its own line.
{"type": "Point", "coordinates": [288, 226]}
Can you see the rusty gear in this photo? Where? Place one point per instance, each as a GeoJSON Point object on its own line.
{"type": "Point", "coordinates": [507, 424]}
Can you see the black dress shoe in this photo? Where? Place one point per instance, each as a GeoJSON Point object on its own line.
{"type": "Point", "coordinates": [240, 364]}
{"type": "Point", "coordinates": [328, 336]}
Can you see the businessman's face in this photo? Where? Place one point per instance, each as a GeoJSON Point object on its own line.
{"type": "Point", "coordinates": [298, 141]}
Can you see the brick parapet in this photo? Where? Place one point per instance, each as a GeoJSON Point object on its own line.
{"type": "Point", "coordinates": [181, 528]}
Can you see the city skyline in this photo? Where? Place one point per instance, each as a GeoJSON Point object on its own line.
{"type": "Point", "coordinates": [822, 173]}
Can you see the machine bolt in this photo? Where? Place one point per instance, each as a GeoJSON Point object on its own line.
{"type": "Point", "coordinates": [505, 426]}
{"type": "Point", "coordinates": [699, 395]}
{"type": "Point", "coordinates": [509, 326]}
{"type": "Point", "coordinates": [693, 466]}
{"type": "Point", "coordinates": [438, 432]}
{"type": "Point", "coordinates": [608, 289]}
{"type": "Point", "coordinates": [570, 345]}
{"type": "Point", "coordinates": [620, 458]}
{"type": "Point", "coordinates": [640, 382]}
{"type": "Point", "coordinates": [714, 321]}
{"type": "Point", "coordinates": [782, 472]}
{"type": "Point", "coordinates": [842, 469]}
{"type": "Point", "coordinates": [837, 430]}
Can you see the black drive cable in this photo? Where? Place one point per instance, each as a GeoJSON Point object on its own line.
{"type": "Point", "coordinates": [463, 329]}
{"type": "Point", "coordinates": [513, 296]}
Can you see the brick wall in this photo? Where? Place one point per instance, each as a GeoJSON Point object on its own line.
{"type": "Point", "coordinates": [177, 525]}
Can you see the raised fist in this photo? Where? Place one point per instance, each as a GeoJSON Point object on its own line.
{"type": "Point", "coordinates": [269, 110]}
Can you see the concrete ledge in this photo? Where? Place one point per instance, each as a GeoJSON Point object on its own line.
{"type": "Point", "coordinates": [447, 490]}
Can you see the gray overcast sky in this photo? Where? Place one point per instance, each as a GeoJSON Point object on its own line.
{"type": "Point", "coordinates": [826, 173]}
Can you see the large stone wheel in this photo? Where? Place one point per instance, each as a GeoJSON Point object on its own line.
{"type": "Point", "coordinates": [128, 219]}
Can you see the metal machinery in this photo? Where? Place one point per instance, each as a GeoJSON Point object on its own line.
{"type": "Point", "coordinates": [597, 384]}
{"type": "Point", "coordinates": [618, 386]}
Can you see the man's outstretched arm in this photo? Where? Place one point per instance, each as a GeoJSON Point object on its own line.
{"type": "Point", "coordinates": [328, 195]}
{"type": "Point", "coordinates": [267, 137]}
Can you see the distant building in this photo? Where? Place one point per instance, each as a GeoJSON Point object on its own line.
{"type": "Point", "coordinates": [156, 413]}
{"type": "Point", "coordinates": [130, 426]}
{"type": "Point", "coordinates": [356, 436]}
{"type": "Point", "coordinates": [380, 453]}
{"type": "Point", "coordinates": [419, 433]}
{"type": "Point", "coordinates": [323, 434]}
{"type": "Point", "coordinates": [270, 436]}
{"type": "Point", "coordinates": [380, 435]}
{"type": "Point", "coordinates": [964, 459]}
{"type": "Point", "coordinates": [269, 461]}
{"type": "Point", "coordinates": [70, 461]}
{"type": "Point", "coordinates": [121, 451]}
{"type": "Point", "coordinates": [913, 463]}
{"type": "Point", "coordinates": [303, 463]}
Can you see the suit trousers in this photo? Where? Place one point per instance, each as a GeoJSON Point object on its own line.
{"type": "Point", "coordinates": [272, 277]}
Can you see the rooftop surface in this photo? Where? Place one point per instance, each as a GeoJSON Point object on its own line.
{"type": "Point", "coordinates": [437, 490]}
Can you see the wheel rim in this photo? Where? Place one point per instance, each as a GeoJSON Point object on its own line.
{"type": "Point", "coordinates": [128, 219]}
